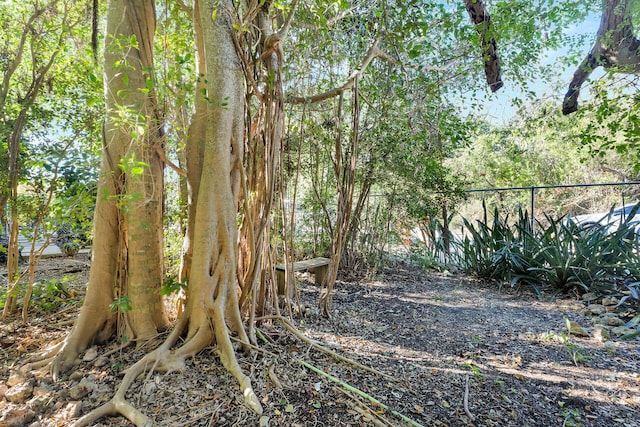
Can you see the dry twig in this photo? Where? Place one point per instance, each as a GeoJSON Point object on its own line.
{"type": "Point", "coordinates": [466, 398]}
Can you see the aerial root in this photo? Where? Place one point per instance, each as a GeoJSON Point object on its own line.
{"type": "Point", "coordinates": [116, 406]}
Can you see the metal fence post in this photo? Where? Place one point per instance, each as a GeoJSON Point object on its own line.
{"type": "Point", "coordinates": [533, 205]}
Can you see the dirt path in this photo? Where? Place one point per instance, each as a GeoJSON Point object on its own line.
{"type": "Point", "coordinates": [427, 332]}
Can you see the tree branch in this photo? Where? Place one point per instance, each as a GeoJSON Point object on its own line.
{"type": "Point", "coordinates": [372, 53]}
{"type": "Point", "coordinates": [177, 169]}
{"type": "Point", "coordinates": [185, 8]}
{"type": "Point", "coordinates": [615, 46]}
{"type": "Point", "coordinates": [480, 17]}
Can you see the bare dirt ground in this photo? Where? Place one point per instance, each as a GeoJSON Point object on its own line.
{"type": "Point", "coordinates": [429, 334]}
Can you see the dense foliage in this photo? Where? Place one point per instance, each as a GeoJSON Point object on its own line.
{"type": "Point", "coordinates": [558, 255]}
{"type": "Point", "coordinates": [421, 137]}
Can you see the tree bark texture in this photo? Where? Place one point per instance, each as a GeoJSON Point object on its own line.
{"type": "Point", "coordinates": [264, 133]}
{"type": "Point", "coordinates": [480, 17]}
{"type": "Point", "coordinates": [127, 255]}
{"type": "Point", "coordinates": [215, 154]}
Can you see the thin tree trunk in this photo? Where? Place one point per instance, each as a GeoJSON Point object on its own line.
{"type": "Point", "coordinates": [345, 182]}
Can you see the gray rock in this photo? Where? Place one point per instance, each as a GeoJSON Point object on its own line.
{"type": "Point", "coordinates": [42, 390]}
{"type": "Point", "coordinates": [76, 376]}
{"type": "Point", "coordinates": [621, 330]}
{"type": "Point", "coordinates": [20, 393]}
{"type": "Point", "coordinates": [596, 309]}
{"type": "Point", "coordinates": [101, 361]}
{"type": "Point", "coordinates": [84, 387]}
{"type": "Point", "coordinates": [16, 416]}
{"type": "Point", "coordinates": [610, 347]}
{"type": "Point", "coordinates": [90, 354]}
{"type": "Point", "coordinates": [610, 319]}
{"type": "Point", "coordinates": [601, 333]}
{"type": "Point", "coordinates": [613, 321]}
{"type": "Point", "coordinates": [72, 410]}
{"type": "Point", "coordinates": [16, 377]}
{"type": "Point", "coordinates": [40, 403]}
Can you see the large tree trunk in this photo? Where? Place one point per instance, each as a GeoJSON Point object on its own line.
{"type": "Point", "coordinates": [212, 312]}
{"type": "Point", "coordinates": [127, 255]}
{"type": "Point", "coordinates": [212, 306]}
{"type": "Point", "coordinates": [194, 149]}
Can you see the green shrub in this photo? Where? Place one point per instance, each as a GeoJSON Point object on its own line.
{"type": "Point", "coordinates": [557, 255]}
{"type": "Point", "coordinates": [499, 251]}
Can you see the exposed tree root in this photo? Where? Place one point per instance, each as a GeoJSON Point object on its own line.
{"type": "Point", "coordinates": [361, 407]}
{"type": "Point", "coordinates": [229, 361]}
{"type": "Point", "coordinates": [291, 328]}
{"type": "Point", "coordinates": [48, 352]}
{"type": "Point", "coordinates": [165, 359]}
{"type": "Point", "coordinates": [360, 393]}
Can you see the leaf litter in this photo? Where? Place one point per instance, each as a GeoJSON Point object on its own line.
{"type": "Point", "coordinates": [450, 351]}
